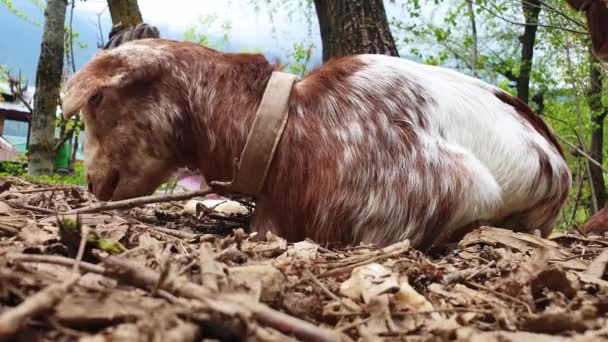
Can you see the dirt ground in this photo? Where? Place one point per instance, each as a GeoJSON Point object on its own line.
{"type": "Point", "coordinates": [172, 271]}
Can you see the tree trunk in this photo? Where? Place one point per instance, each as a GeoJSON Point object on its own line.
{"type": "Point", "coordinates": [474, 56]}
{"type": "Point", "coordinates": [597, 16]}
{"type": "Point", "coordinates": [531, 10]}
{"type": "Point", "coordinates": [75, 137]}
{"type": "Point", "coordinates": [48, 82]}
{"type": "Point", "coordinates": [124, 12]}
{"type": "Point", "coordinates": [598, 114]}
{"type": "Point", "coordinates": [127, 24]}
{"type": "Point", "coordinates": [351, 27]}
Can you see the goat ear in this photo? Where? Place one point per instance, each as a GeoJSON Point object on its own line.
{"type": "Point", "coordinates": [74, 100]}
{"type": "Point", "coordinates": [107, 70]}
{"type": "Point", "coordinates": [84, 84]}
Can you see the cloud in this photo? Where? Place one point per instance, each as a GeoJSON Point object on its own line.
{"type": "Point", "coordinates": [250, 27]}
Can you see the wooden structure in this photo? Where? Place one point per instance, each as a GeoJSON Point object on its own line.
{"type": "Point", "coordinates": [12, 108]}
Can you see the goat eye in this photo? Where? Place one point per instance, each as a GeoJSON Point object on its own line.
{"type": "Point", "coordinates": [95, 100]}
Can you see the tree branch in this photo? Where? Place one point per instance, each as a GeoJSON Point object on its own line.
{"type": "Point", "coordinates": [499, 16]}
{"type": "Point", "coordinates": [134, 202]}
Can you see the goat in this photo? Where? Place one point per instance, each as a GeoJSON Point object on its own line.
{"type": "Point", "coordinates": [376, 149]}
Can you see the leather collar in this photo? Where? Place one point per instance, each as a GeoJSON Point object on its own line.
{"type": "Point", "coordinates": [252, 168]}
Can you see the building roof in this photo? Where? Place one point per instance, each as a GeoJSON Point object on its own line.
{"type": "Point", "coordinates": [15, 105]}
{"type": "Point", "coordinates": [18, 107]}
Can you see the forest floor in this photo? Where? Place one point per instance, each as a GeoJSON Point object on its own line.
{"type": "Point", "coordinates": [172, 272]}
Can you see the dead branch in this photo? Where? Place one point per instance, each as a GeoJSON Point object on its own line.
{"type": "Point", "coordinates": [578, 196]}
{"type": "Point", "coordinates": [135, 202]}
{"type": "Point", "coordinates": [385, 253]}
{"type": "Point", "coordinates": [325, 290]}
{"type": "Point", "coordinates": [30, 207]}
{"type": "Point", "coordinates": [513, 22]}
{"type": "Point", "coordinates": [467, 273]}
{"type": "Point", "coordinates": [17, 90]}
{"type": "Point", "coordinates": [174, 233]}
{"type": "Point", "coordinates": [137, 275]}
{"type": "Point", "coordinates": [31, 191]}
{"type": "Point", "coordinates": [211, 272]}
{"type": "Point", "coordinates": [56, 260]}
{"type": "Point", "coordinates": [502, 295]}
{"type": "Point", "coordinates": [13, 319]}
{"type": "Point", "coordinates": [451, 310]}
{"type": "Point", "coordinates": [583, 153]}
{"type": "Point", "coordinates": [84, 232]}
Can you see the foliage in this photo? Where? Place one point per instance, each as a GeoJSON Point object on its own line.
{"type": "Point", "coordinates": [73, 229]}
{"type": "Point", "coordinates": [211, 33]}
{"type": "Point", "coordinates": [201, 32]}
{"type": "Point", "coordinates": [18, 167]}
{"type": "Point", "coordinates": [301, 58]}
{"type": "Point", "coordinates": [15, 167]}
{"type": "Point", "coordinates": [75, 178]}
{"type": "Point", "coordinates": [11, 7]}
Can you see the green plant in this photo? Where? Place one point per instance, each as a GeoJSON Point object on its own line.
{"type": "Point", "coordinates": [11, 7]}
{"type": "Point", "coordinates": [16, 167]}
{"type": "Point", "coordinates": [77, 177]}
{"type": "Point", "coordinates": [199, 33]}
{"type": "Point", "coordinates": [301, 57]}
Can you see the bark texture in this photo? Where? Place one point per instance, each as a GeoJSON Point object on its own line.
{"type": "Point", "coordinates": [351, 27]}
{"type": "Point", "coordinates": [598, 114]}
{"type": "Point", "coordinates": [531, 10]}
{"type": "Point", "coordinates": [48, 82]}
{"type": "Point", "coordinates": [125, 12]}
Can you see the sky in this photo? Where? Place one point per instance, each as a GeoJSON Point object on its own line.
{"type": "Point", "coordinates": [250, 28]}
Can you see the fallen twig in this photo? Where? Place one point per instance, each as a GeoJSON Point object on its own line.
{"type": "Point", "coordinates": [387, 252]}
{"type": "Point", "coordinates": [31, 191]}
{"type": "Point", "coordinates": [134, 202]}
{"type": "Point", "coordinates": [503, 295]}
{"type": "Point", "coordinates": [84, 232]}
{"type": "Point", "coordinates": [428, 312]}
{"type": "Point", "coordinates": [57, 260]}
{"type": "Point", "coordinates": [325, 290]}
{"type": "Point", "coordinates": [582, 238]}
{"type": "Point", "coordinates": [30, 207]}
{"type": "Point", "coordinates": [13, 319]}
{"type": "Point", "coordinates": [175, 233]}
{"type": "Point", "coordinates": [466, 274]}
{"type": "Point", "coordinates": [211, 272]}
{"type": "Point", "coordinates": [143, 277]}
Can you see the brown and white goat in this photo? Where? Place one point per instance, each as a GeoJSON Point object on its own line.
{"type": "Point", "coordinates": [376, 148]}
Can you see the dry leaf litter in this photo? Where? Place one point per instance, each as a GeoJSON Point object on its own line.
{"type": "Point", "coordinates": [186, 270]}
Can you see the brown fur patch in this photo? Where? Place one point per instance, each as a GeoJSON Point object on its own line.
{"type": "Point", "coordinates": [534, 119]}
